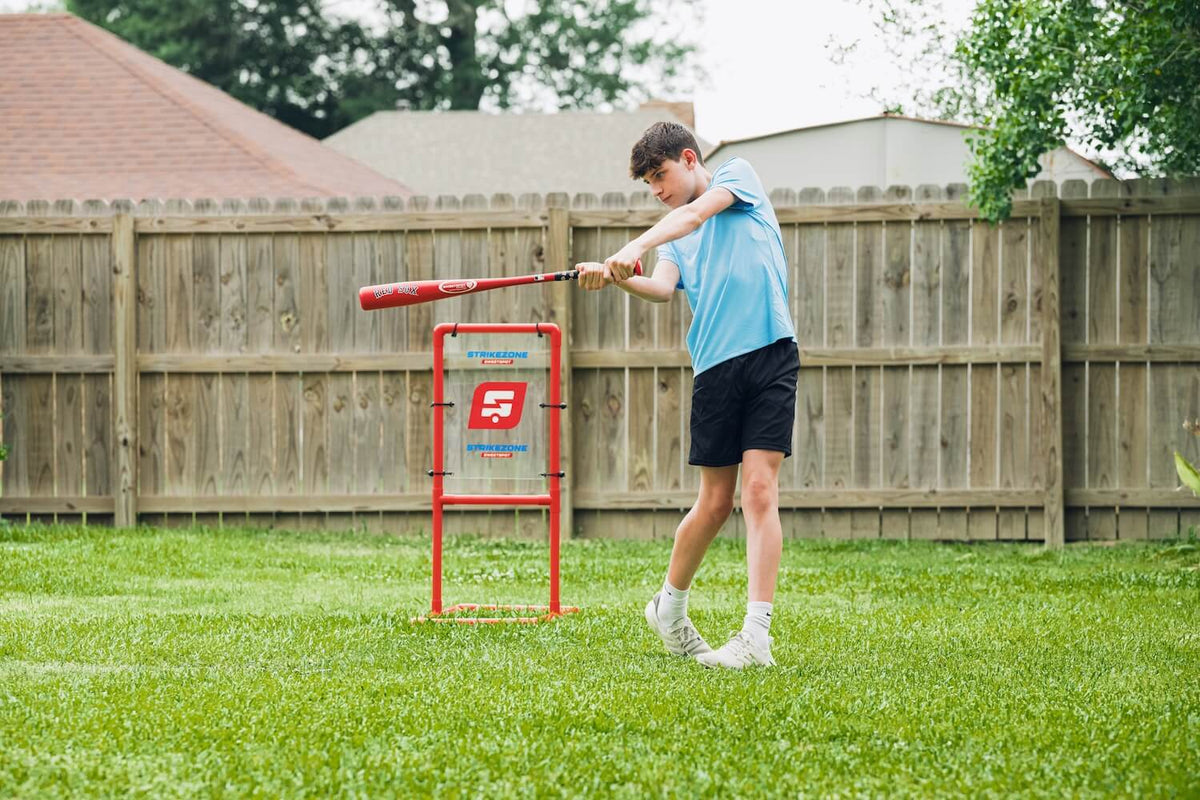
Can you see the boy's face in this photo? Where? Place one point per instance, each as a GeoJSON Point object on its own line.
{"type": "Point", "coordinates": [674, 182]}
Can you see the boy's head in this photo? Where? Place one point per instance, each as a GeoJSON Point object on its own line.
{"type": "Point", "coordinates": [667, 158]}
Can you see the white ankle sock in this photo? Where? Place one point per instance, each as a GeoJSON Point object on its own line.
{"type": "Point", "coordinates": [672, 605]}
{"type": "Point", "coordinates": [758, 622]}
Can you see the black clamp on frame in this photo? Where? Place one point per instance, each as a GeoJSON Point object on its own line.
{"type": "Point", "coordinates": [431, 473]}
{"type": "Point", "coordinates": [553, 474]}
{"type": "Point", "coordinates": [443, 405]}
{"type": "Point", "coordinates": [454, 331]}
{"type": "Point", "coordinates": [552, 405]}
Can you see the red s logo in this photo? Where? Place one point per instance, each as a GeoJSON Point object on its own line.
{"type": "Point", "coordinates": [497, 405]}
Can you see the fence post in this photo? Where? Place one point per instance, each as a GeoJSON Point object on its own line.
{"type": "Point", "coordinates": [1051, 440]}
{"type": "Point", "coordinates": [558, 254]}
{"type": "Point", "coordinates": [125, 376]}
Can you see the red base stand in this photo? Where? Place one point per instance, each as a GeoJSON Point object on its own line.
{"type": "Point", "coordinates": [448, 614]}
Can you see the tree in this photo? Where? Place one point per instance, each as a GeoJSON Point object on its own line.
{"type": "Point", "coordinates": [1117, 76]}
{"type": "Point", "coordinates": [293, 60]}
{"type": "Point", "coordinates": [283, 57]}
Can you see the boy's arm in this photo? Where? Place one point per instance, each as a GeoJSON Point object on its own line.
{"type": "Point", "coordinates": [676, 224]}
{"type": "Point", "coordinates": [659, 287]}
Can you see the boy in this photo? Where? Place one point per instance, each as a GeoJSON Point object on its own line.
{"type": "Point", "coordinates": [722, 245]}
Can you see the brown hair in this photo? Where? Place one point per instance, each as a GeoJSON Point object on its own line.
{"type": "Point", "coordinates": [661, 142]}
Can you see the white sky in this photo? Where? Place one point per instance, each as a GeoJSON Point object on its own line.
{"type": "Point", "coordinates": [768, 64]}
{"type": "Point", "coordinates": [770, 69]}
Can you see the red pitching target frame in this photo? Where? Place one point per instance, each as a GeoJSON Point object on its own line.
{"type": "Point", "coordinates": [481, 405]}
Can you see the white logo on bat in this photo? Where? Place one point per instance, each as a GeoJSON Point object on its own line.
{"type": "Point", "coordinates": [497, 403]}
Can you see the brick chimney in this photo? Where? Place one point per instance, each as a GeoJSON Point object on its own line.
{"type": "Point", "coordinates": [685, 112]}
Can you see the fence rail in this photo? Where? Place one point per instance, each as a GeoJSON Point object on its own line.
{"type": "Point", "coordinates": [200, 362]}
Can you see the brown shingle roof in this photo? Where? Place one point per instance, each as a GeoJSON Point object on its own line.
{"type": "Point", "coordinates": [85, 115]}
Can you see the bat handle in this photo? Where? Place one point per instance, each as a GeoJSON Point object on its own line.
{"type": "Point", "coordinates": [573, 274]}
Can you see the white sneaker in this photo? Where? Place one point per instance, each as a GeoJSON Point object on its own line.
{"type": "Point", "coordinates": [681, 640]}
{"type": "Point", "coordinates": [738, 653]}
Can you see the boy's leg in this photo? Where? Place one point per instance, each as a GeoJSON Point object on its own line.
{"type": "Point", "coordinates": [700, 526]}
{"type": "Point", "coordinates": [667, 610]}
{"type": "Point", "coordinates": [764, 532]}
{"type": "Point", "coordinates": [751, 646]}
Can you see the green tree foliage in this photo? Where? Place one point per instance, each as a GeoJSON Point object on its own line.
{"type": "Point", "coordinates": [1118, 77]}
{"type": "Point", "coordinates": [1188, 473]}
{"type": "Point", "coordinates": [1126, 73]}
{"type": "Point", "coordinates": [299, 63]}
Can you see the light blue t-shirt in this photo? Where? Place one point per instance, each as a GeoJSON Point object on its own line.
{"type": "Point", "coordinates": [734, 271]}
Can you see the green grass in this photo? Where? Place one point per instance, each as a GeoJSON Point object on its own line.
{"type": "Point", "coordinates": [243, 663]}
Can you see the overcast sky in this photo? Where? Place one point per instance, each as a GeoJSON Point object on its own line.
{"type": "Point", "coordinates": [768, 62]}
{"type": "Point", "coordinates": [770, 68]}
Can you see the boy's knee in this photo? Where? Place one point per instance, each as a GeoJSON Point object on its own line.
{"type": "Point", "coordinates": [717, 507]}
{"type": "Point", "coordinates": [759, 495]}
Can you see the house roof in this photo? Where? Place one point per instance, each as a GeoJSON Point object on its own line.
{"type": "Point", "coordinates": [712, 153]}
{"type": "Point", "coordinates": [89, 116]}
{"type": "Point", "coordinates": [463, 152]}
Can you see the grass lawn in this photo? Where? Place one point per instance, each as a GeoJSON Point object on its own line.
{"type": "Point", "coordinates": [201, 663]}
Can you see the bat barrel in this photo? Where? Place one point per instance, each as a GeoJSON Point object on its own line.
{"type": "Point", "coordinates": [384, 295]}
{"type": "Point", "coordinates": [366, 297]}
{"type": "Point", "coordinates": [407, 293]}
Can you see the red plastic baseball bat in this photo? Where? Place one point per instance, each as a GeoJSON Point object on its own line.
{"type": "Point", "coordinates": [410, 293]}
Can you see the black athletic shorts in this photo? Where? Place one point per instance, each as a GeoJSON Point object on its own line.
{"type": "Point", "coordinates": [745, 403]}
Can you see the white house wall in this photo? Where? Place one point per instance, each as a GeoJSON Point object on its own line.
{"type": "Point", "coordinates": [877, 152]}
{"type": "Point", "coordinates": [836, 155]}
{"type": "Point", "coordinates": [1063, 165]}
{"type": "Point", "coordinates": [919, 153]}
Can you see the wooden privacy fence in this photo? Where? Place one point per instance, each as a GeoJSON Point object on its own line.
{"type": "Point", "coordinates": [206, 363]}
